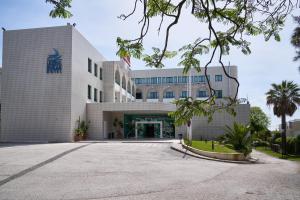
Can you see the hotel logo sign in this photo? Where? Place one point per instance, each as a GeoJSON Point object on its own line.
{"type": "Point", "coordinates": [54, 63]}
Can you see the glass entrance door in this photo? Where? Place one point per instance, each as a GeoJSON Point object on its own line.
{"type": "Point", "coordinates": [148, 130]}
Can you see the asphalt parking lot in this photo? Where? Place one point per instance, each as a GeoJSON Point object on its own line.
{"type": "Point", "coordinates": [119, 170]}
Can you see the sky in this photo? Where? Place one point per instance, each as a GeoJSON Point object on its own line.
{"type": "Point", "coordinates": [270, 62]}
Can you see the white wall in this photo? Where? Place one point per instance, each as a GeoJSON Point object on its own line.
{"type": "Point", "coordinates": [81, 78]}
{"type": "Point", "coordinates": [36, 105]}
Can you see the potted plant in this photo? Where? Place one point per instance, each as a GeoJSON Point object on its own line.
{"type": "Point", "coordinates": [80, 131]}
{"type": "Point", "coordinates": [78, 135]}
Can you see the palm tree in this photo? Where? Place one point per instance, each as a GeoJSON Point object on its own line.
{"type": "Point", "coordinates": [285, 98]}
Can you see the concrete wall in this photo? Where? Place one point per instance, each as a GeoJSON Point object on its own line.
{"type": "Point", "coordinates": [36, 105]}
{"type": "Point", "coordinates": [82, 50]}
{"type": "Point", "coordinates": [201, 127]}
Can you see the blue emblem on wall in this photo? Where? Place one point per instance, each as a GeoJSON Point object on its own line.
{"type": "Point", "coordinates": [54, 62]}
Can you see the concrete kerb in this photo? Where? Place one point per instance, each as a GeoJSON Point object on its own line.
{"type": "Point", "coordinates": [178, 147]}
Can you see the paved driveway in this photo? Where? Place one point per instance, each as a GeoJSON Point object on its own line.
{"type": "Point", "coordinates": [137, 171]}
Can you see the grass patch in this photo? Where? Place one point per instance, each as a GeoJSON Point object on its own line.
{"type": "Point", "coordinates": [207, 146]}
{"type": "Point", "coordinates": [269, 152]}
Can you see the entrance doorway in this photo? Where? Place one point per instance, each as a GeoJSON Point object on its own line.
{"type": "Point", "coordinates": [149, 133]}
{"type": "Point", "coordinates": [148, 129]}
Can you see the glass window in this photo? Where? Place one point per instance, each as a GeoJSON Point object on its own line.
{"type": "Point", "coordinates": [148, 81]}
{"type": "Point", "coordinates": [183, 94]}
{"type": "Point", "coordinates": [218, 78]}
{"type": "Point", "coordinates": [153, 95]}
{"type": "Point", "coordinates": [95, 69]}
{"type": "Point", "coordinates": [219, 94]}
{"type": "Point", "coordinates": [159, 80]}
{"type": "Point", "coordinates": [139, 95]}
{"type": "Point", "coordinates": [100, 73]}
{"type": "Point", "coordinates": [89, 65]}
{"type": "Point", "coordinates": [169, 94]}
{"type": "Point", "coordinates": [184, 79]}
{"type": "Point", "coordinates": [154, 80]}
{"type": "Point", "coordinates": [95, 94]}
{"type": "Point", "coordinates": [89, 92]}
{"type": "Point", "coordinates": [202, 93]}
{"type": "Point", "coordinates": [169, 79]}
{"type": "Point", "coordinates": [100, 96]}
{"type": "Point", "coordinates": [175, 79]}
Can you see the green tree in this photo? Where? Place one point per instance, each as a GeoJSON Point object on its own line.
{"type": "Point", "coordinates": [284, 98]}
{"type": "Point", "coordinates": [229, 25]}
{"type": "Point", "coordinates": [259, 121]}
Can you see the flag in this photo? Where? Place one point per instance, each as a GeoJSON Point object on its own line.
{"type": "Point", "coordinates": [127, 60]}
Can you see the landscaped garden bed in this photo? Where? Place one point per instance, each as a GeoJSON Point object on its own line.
{"type": "Point", "coordinates": [220, 151]}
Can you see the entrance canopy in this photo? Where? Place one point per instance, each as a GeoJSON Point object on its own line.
{"type": "Point", "coordinates": [130, 120]}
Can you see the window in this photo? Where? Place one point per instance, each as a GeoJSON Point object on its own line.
{"type": "Point", "coordinates": [100, 73]}
{"type": "Point", "coordinates": [154, 80]}
{"type": "Point", "coordinates": [182, 79]}
{"type": "Point", "coordinates": [202, 93]}
{"type": "Point", "coordinates": [89, 65]}
{"type": "Point", "coordinates": [95, 94]}
{"type": "Point", "coordinates": [89, 92]}
{"type": "Point", "coordinates": [117, 77]}
{"type": "Point", "coordinates": [183, 94]}
{"type": "Point", "coordinates": [219, 94]}
{"type": "Point", "coordinates": [100, 96]}
{"type": "Point", "coordinates": [218, 78]}
{"type": "Point", "coordinates": [169, 79]}
{"type": "Point", "coordinates": [153, 95]}
{"type": "Point", "coordinates": [139, 95]}
{"type": "Point", "coordinates": [96, 70]}
{"type": "Point", "coordinates": [169, 94]}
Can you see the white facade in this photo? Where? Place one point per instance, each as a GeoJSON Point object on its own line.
{"type": "Point", "coordinates": [38, 106]}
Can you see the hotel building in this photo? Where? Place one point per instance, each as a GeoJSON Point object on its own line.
{"type": "Point", "coordinates": [52, 77]}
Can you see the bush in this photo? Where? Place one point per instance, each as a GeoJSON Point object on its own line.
{"type": "Point", "coordinates": [239, 138]}
{"type": "Point", "coordinates": [298, 145]}
{"type": "Point", "coordinates": [277, 141]}
{"type": "Point", "coordinates": [260, 143]}
{"type": "Point", "coordinates": [292, 144]}
{"type": "Point", "coordinates": [275, 135]}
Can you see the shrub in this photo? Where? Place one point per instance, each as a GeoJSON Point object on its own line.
{"type": "Point", "coordinates": [277, 141]}
{"type": "Point", "coordinates": [292, 144]}
{"type": "Point", "coordinates": [297, 145]}
{"type": "Point", "coordinates": [239, 138]}
{"type": "Point", "coordinates": [260, 143]}
{"type": "Point", "coordinates": [275, 135]}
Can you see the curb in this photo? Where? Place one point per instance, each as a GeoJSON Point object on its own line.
{"type": "Point", "coordinates": [187, 152]}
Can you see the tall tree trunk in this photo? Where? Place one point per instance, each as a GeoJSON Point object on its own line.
{"type": "Point", "coordinates": [283, 135]}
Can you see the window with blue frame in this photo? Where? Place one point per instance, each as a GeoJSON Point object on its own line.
{"type": "Point", "coordinates": [169, 94]}
{"type": "Point", "coordinates": [219, 94]}
{"type": "Point", "coordinates": [182, 79]}
{"type": "Point", "coordinates": [183, 94]}
{"type": "Point", "coordinates": [169, 79]}
{"type": "Point", "coordinates": [154, 80]}
{"type": "Point", "coordinates": [202, 93]}
{"type": "Point", "coordinates": [159, 80]}
{"type": "Point", "coordinates": [218, 78]}
{"type": "Point", "coordinates": [153, 95]}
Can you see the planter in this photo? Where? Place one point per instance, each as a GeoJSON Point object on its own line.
{"type": "Point", "coordinates": [84, 137]}
{"type": "Point", "coordinates": [77, 138]}
{"type": "Point", "coordinates": [217, 155]}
